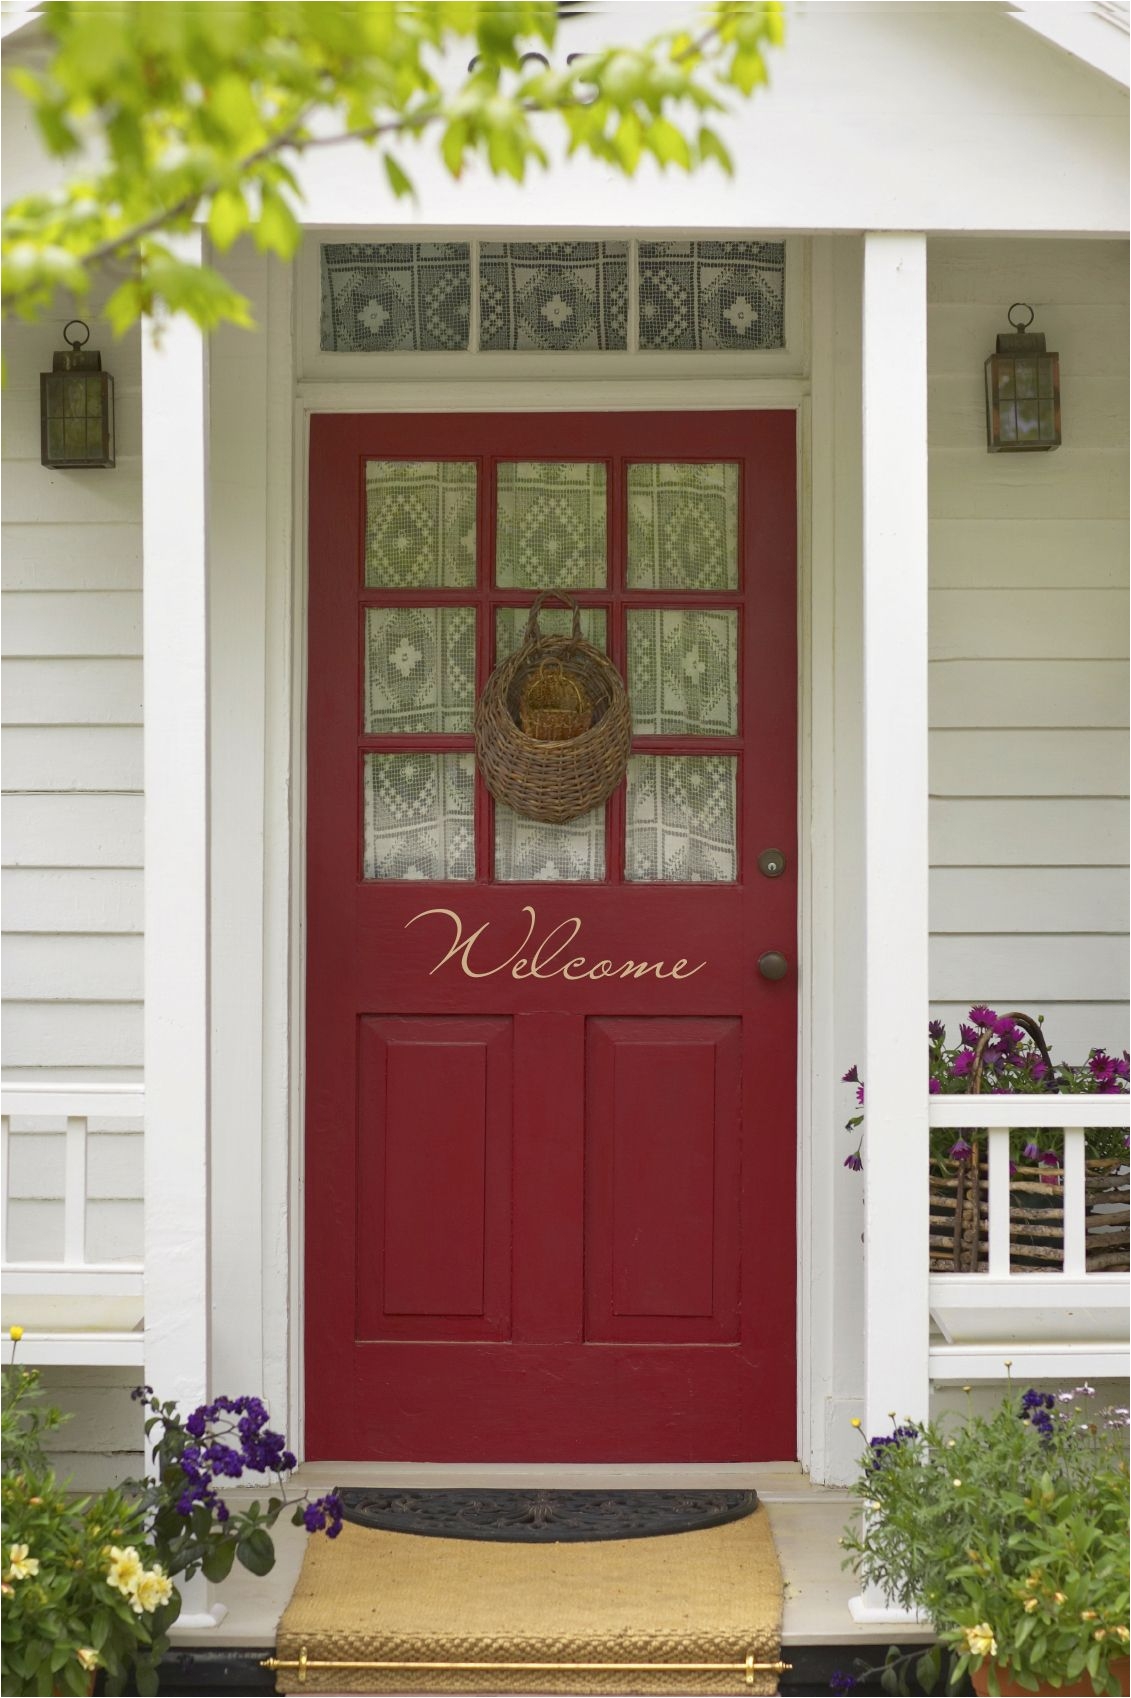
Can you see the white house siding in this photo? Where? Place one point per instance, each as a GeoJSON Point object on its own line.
{"type": "Point", "coordinates": [1029, 633]}
{"type": "Point", "coordinates": [72, 878]}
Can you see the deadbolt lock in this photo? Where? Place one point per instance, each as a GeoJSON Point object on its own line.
{"type": "Point", "coordinates": [771, 863]}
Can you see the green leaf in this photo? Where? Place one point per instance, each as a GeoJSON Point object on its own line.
{"type": "Point", "coordinates": [256, 1552]}
{"type": "Point", "coordinates": [711, 146]}
{"type": "Point", "coordinates": [217, 1565]}
{"type": "Point", "coordinates": [668, 144]}
{"type": "Point", "coordinates": [399, 181]}
{"type": "Point", "coordinates": [228, 218]}
{"type": "Point", "coordinates": [277, 229]}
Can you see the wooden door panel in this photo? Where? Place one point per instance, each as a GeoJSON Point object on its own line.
{"type": "Point", "coordinates": [662, 1180]}
{"type": "Point", "coordinates": [434, 1167]}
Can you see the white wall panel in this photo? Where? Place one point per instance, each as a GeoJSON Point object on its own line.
{"type": "Point", "coordinates": [72, 757]}
{"type": "Point", "coordinates": [50, 556]}
{"type": "Point", "coordinates": [69, 1039]}
{"type": "Point", "coordinates": [63, 968]}
{"type": "Point", "coordinates": [70, 830]}
{"type": "Point", "coordinates": [72, 622]}
{"type": "Point", "coordinates": [72, 899]}
{"type": "Point", "coordinates": [1029, 763]}
{"type": "Point", "coordinates": [72, 692]}
{"type": "Point", "coordinates": [1029, 696]}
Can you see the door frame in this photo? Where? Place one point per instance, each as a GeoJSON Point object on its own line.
{"type": "Point", "coordinates": [690, 395]}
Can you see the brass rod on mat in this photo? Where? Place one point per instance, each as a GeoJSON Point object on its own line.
{"type": "Point", "coordinates": [748, 1668]}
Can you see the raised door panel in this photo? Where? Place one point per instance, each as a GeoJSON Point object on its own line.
{"type": "Point", "coordinates": [434, 1178]}
{"type": "Point", "coordinates": [662, 1180]}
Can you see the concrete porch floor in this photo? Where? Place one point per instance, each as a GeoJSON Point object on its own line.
{"type": "Point", "coordinates": [806, 1520]}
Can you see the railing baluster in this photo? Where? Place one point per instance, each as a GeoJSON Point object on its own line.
{"type": "Point", "coordinates": [1075, 1202]}
{"type": "Point", "coordinates": [74, 1193]}
{"type": "Point", "coordinates": [998, 1138]}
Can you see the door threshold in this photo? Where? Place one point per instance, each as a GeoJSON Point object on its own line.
{"type": "Point", "coordinates": [769, 1479]}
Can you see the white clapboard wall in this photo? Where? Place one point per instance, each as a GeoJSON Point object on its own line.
{"type": "Point", "coordinates": [1029, 627]}
{"type": "Point", "coordinates": [72, 838]}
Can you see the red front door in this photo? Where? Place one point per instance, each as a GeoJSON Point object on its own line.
{"type": "Point", "coordinates": [550, 1097]}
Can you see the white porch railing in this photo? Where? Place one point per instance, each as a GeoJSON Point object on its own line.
{"type": "Point", "coordinates": [75, 1312]}
{"type": "Point", "coordinates": [1067, 1323]}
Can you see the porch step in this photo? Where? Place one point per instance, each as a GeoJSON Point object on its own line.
{"type": "Point", "coordinates": [372, 1606]}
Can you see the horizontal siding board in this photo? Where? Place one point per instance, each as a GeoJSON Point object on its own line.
{"type": "Point", "coordinates": [101, 497]}
{"type": "Point", "coordinates": [72, 692]}
{"type": "Point", "coordinates": [80, 969]}
{"type": "Point", "coordinates": [1071, 1029]}
{"type": "Point", "coordinates": [114, 1166]}
{"type": "Point", "coordinates": [51, 556]}
{"type": "Point", "coordinates": [1091, 340]}
{"type": "Point", "coordinates": [1067, 484]}
{"type": "Point", "coordinates": [34, 1231]}
{"type": "Point", "coordinates": [68, 899]}
{"type": "Point", "coordinates": [963, 271]}
{"type": "Point", "coordinates": [1018, 969]}
{"type": "Point", "coordinates": [1041, 624]}
{"type": "Point", "coordinates": [1027, 694]}
{"type": "Point", "coordinates": [73, 831]}
{"type": "Point", "coordinates": [72, 757]}
{"type": "Point", "coordinates": [114, 1231]}
{"type": "Point", "coordinates": [1028, 554]}
{"type": "Point", "coordinates": [82, 1036]}
{"type": "Point", "coordinates": [1029, 763]}
{"type": "Point", "coordinates": [1047, 832]}
{"type": "Point", "coordinates": [71, 622]}
{"type": "Point", "coordinates": [1029, 899]}
{"type": "Point", "coordinates": [37, 1163]}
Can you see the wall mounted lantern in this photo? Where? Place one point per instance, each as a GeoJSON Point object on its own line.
{"type": "Point", "coordinates": [76, 406]}
{"type": "Point", "coordinates": [1022, 390]}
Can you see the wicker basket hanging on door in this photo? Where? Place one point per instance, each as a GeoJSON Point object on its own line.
{"type": "Point", "coordinates": [553, 685]}
{"type": "Point", "coordinates": [959, 1201]}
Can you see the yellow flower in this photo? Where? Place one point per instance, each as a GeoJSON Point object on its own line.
{"type": "Point", "coordinates": [15, 1334]}
{"type": "Point", "coordinates": [1100, 1633]}
{"type": "Point", "coordinates": [125, 1569]}
{"type": "Point", "coordinates": [20, 1565]}
{"type": "Point", "coordinates": [1122, 1633]}
{"type": "Point", "coordinates": [956, 1483]}
{"type": "Point", "coordinates": [856, 1421]}
{"type": "Point", "coordinates": [88, 1657]}
{"type": "Point", "coordinates": [1029, 1605]}
{"type": "Point", "coordinates": [980, 1641]}
{"type": "Point", "coordinates": [1088, 1615]}
{"type": "Point", "coordinates": [1059, 1598]}
{"type": "Point", "coordinates": [153, 1589]}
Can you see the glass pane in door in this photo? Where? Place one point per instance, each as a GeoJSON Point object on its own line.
{"type": "Point", "coordinates": [683, 527]}
{"type": "Point", "coordinates": [551, 525]}
{"type": "Point", "coordinates": [682, 815]}
{"type": "Point", "coordinates": [683, 671]}
{"type": "Point", "coordinates": [420, 816]}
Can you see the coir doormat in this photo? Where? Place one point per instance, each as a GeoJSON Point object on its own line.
{"type": "Point", "coordinates": [544, 1517]}
{"type": "Point", "coordinates": [376, 1611]}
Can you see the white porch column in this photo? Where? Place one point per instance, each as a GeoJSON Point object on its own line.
{"type": "Point", "coordinates": [895, 813]}
{"type": "Point", "coordinates": [174, 417]}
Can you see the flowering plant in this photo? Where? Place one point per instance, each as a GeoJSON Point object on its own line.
{"type": "Point", "coordinates": [1012, 1062]}
{"type": "Point", "coordinates": [1009, 1531]}
{"type": "Point", "coordinates": [89, 1585]}
{"type": "Point", "coordinates": [83, 1588]}
{"type": "Point", "coordinates": [191, 1524]}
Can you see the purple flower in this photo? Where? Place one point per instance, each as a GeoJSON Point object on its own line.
{"type": "Point", "coordinates": [860, 1095]}
{"type": "Point", "coordinates": [197, 1423]}
{"type": "Point", "coordinates": [1004, 1028]}
{"type": "Point", "coordinates": [936, 1029]}
{"type": "Point", "coordinates": [1101, 1066]}
{"type": "Point", "coordinates": [841, 1681]}
{"type": "Point", "coordinates": [960, 1150]}
{"type": "Point", "coordinates": [1031, 1151]}
{"type": "Point", "coordinates": [853, 1161]}
{"type": "Point", "coordinates": [1036, 1407]}
{"type": "Point", "coordinates": [851, 1077]}
{"type": "Point", "coordinates": [140, 1393]}
{"type": "Point", "coordinates": [984, 1017]}
{"type": "Point", "coordinates": [968, 1035]}
{"type": "Point", "coordinates": [935, 1088]}
{"type": "Point", "coordinates": [962, 1063]}
{"type": "Point", "coordinates": [325, 1513]}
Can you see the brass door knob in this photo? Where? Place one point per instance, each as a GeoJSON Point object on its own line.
{"type": "Point", "coordinates": [773, 964]}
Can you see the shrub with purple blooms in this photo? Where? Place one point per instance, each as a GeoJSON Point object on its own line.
{"type": "Point", "coordinates": [1011, 1063]}
{"type": "Point", "coordinates": [193, 1528]}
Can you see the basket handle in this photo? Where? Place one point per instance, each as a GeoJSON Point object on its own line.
{"type": "Point", "coordinates": [533, 633]}
{"type": "Point", "coordinates": [1027, 1024]}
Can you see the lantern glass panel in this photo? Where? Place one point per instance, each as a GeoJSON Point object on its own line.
{"type": "Point", "coordinates": [1028, 421]}
{"type": "Point", "coordinates": [1045, 378]}
{"type": "Point", "coordinates": [1004, 369]}
{"type": "Point", "coordinates": [1026, 378]}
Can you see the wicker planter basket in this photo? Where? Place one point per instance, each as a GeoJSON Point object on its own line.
{"type": "Point", "coordinates": [553, 684]}
{"type": "Point", "coordinates": [959, 1207]}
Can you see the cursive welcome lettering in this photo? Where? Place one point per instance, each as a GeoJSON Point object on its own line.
{"type": "Point", "coordinates": [543, 962]}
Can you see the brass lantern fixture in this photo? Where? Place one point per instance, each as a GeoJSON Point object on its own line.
{"type": "Point", "coordinates": [76, 406]}
{"type": "Point", "coordinates": [1022, 390]}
